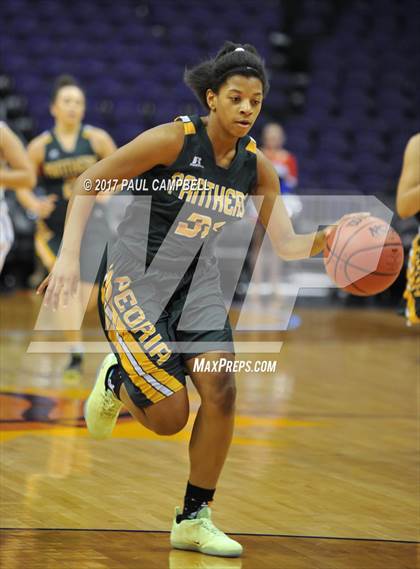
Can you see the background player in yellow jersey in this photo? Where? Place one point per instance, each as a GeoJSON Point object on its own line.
{"type": "Point", "coordinates": [142, 311]}
{"type": "Point", "coordinates": [16, 173]}
{"type": "Point", "coordinates": [59, 156]}
{"type": "Point", "coordinates": [408, 205]}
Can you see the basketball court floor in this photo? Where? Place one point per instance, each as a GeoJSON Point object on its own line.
{"type": "Point", "coordinates": [322, 474]}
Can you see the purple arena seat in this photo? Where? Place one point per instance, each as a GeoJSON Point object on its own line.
{"type": "Point", "coordinates": [356, 113]}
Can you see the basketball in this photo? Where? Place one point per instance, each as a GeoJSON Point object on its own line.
{"type": "Point", "coordinates": [363, 255]}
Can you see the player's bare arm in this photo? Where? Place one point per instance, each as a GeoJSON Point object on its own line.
{"type": "Point", "coordinates": [408, 193]}
{"type": "Point", "coordinates": [273, 215]}
{"type": "Point", "coordinates": [20, 173]}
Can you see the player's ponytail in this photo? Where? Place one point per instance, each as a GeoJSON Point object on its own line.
{"type": "Point", "coordinates": [232, 59]}
{"type": "Point", "coordinates": [64, 81]}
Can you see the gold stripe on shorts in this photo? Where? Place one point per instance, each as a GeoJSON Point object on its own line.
{"type": "Point", "coordinates": [154, 382]}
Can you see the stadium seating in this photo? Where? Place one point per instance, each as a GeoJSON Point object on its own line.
{"type": "Point", "coordinates": [348, 128]}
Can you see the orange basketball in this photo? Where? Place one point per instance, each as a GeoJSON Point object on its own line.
{"type": "Point", "coordinates": [363, 255]}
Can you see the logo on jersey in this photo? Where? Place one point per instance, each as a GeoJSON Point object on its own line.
{"type": "Point", "coordinates": [53, 153]}
{"type": "Point", "coordinates": [196, 162]}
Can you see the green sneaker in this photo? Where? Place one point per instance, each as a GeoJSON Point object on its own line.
{"type": "Point", "coordinates": [200, 534]}
{"type": "Point", "coordinates": [102, 407]}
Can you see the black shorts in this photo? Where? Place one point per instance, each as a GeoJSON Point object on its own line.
{"type": "Point", "coordinates": [154, 331]}
{"type": "Point", "coordinates": [97, 234]}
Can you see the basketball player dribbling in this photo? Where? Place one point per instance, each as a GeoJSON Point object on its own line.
{"type": "Point", "coordinates": [141, 311]}
{"type": "Point", "coordinates": [408, 205]}
{"type": "Point", "coordinates": [16, 173]}
{"type": "Point", "coordinates": [59, 156]}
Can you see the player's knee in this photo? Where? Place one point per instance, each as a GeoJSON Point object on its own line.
{"type": "Point", "coordinates": [168, 429]}
{"type": "Point", "coordinates": [220, 392]}
{"type": "Point", "coordinates": [170, 425]}
{"type": "Point", "coordinates": [170, 415]}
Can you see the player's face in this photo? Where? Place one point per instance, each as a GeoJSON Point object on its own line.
{"type": "Point", "coordinates": [69, 106]}
{"type": "Point", "coordinates": [238, 103]}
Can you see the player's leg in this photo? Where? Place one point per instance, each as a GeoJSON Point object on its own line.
{"type": "Point", "coordinates": [150, 385]}
{"type": "Point", "coordinates": [213, 428]}
{"type": "Point", "coordinates": [204, 307]}
{"type": "Point", "coordinates": [166, 417]}
{"type": "Point", "coordinates": [210, 441]}
{"type": "Point", "coordinates": [155, 394]}
{"type": "Point", "coordinates": [212, 432]}
{"type": "Point", "coordinates": [114, 389]}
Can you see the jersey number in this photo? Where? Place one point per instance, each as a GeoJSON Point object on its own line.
{"type": "Point", "coordinates": [197, 224]}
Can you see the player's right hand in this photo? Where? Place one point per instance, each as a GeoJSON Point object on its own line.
{"type": "Point", "coordinates": [45, 206]}
{"type": "Point", "coordinates": [61, 284]}
{"type": "Point", "coordinates": [357, 215]}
